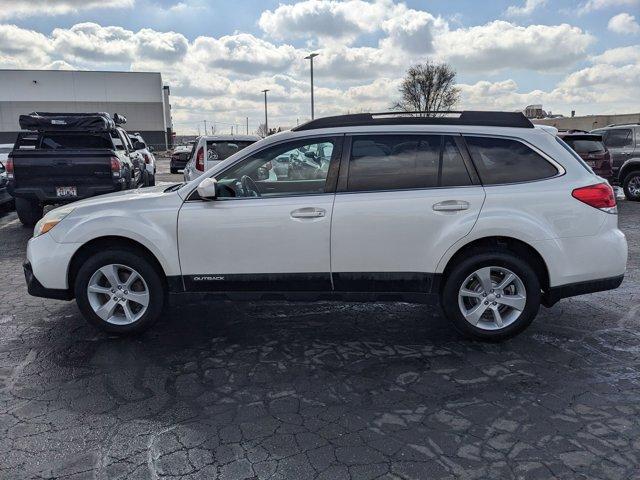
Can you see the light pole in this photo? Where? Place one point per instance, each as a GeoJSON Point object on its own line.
{"type": "Point", "coordinates": [310, 58]}
{"type": "Point", "coordinates": [266, 120]}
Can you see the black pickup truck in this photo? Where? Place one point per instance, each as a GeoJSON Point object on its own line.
{"type": "Point", "coordinates": [65, 157]}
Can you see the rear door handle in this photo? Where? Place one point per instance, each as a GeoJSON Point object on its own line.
{"type": "Point", "coordinates": [308, 212]}
{"type": "Point", "coordinates": [451, 206]}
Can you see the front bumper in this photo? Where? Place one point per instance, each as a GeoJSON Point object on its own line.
{"type": "Point", "coordinates": [36, 289]}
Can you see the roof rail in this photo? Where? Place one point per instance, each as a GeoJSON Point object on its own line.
{"type": "Point", "coordinates": [467, 117]}
{"type": "Point", "coordinates": [622, 124]}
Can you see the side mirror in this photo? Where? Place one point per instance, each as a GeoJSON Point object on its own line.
{"type": "Point", "coordinates": [2, 169]}
{"type": "Point", "coordinates": [137, 145]}
{"type": "Point", "coordinates": [207, 188]}
{"type": "Point", "coordinates": [150, 148]}
{"type": "Point", "coordinates": [309, 154]}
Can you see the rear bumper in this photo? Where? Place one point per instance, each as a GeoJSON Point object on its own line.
{"type": "Point", "coordinates": [555, 294]}
{"type": "Point", "coordinates": [36, 289]}
{"type": "Point", "coordinates": [178, 163]}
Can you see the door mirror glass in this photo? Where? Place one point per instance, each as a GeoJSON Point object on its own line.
{"type": "Point", "coordinates": [207, 189]}
{"type": "Point", "coordinates": [2, 169]}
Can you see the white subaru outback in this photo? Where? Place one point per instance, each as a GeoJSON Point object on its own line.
{"type": "Point", "coordinates": [481, 212]}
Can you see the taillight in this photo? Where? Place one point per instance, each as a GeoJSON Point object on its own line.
{"type": "Point", "coordinates": [147, 158]}
{"type": "Point", "coordinates": [9, 168]}
{"type": "Point", "coordinates": [200, 159]}
{"type": "Point", "coordinates": [115, 167]}
{"type": "Point", "coordinates": [600, 196]}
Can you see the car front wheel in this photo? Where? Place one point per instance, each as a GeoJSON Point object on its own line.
{"type": "Point", "coordinates": [119, 291]}
{"type": "Point", "coordinates": [491, 295]}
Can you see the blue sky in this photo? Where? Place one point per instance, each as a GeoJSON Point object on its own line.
{"type": "Point", "coordinates": [218, 55]}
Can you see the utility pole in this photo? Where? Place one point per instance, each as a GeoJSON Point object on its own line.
{"type": "Point", "coordinates": [266, 119]}
{"type": "Point", "coordinates": [247, 125]}
{"type": "Point", "coordinates": [206, 132]}
{"type": "Point", "coordinates": [310, 58]}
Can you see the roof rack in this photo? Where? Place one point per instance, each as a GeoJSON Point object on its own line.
{"type": "Point", "coordinates": [467, 117]}
{"type": "Point", "coordinates": [98, 121]}
{"type": "Point", "coordinates": [628, 124]}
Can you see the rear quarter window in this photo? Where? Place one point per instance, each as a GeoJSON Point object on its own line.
{"type": "Point", "coordinates": [502, 160]}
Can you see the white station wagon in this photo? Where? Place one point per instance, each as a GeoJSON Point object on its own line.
{"type": "Point", "coordinates": [481, 212]}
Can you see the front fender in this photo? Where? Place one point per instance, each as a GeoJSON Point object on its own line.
{"type": "Point", "coordinates": [628, 166]}
{"type": "Point", "coordinates": [154, 227]}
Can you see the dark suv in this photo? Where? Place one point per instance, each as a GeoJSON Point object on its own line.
{"type": "Point", "coordinates": [591, 149]}
{"type": "Point", "coordinates": [623, 142]}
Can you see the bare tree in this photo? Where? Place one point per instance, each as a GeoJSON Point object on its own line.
{"type": "Point", "coordinates": [428, 87]}
{"type": "Point", "coordinates": [262, 131]}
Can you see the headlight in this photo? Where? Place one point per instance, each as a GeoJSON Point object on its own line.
{"type": "Point", "coordinates": [50, 220]}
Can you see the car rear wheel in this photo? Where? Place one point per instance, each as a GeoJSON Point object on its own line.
{"type": "Point", "coordinates": [29, 211]}
{"type": "Point", "coordinates": [491, 295]}
{"type": "Point", "coordinates": [174, 170]}
{"type": "Point", "coordinates": [119, 292]}
{"type": "Point", "coordinates": [631, 186]}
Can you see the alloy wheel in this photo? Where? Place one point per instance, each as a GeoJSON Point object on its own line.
{"type": "Point", "coordinates": [492, 298]}
{"type": "Point", "coordinates": [118, 294]}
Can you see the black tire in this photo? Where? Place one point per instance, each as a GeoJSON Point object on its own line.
{"type": "Point", "coordinates": [138, 262]}
{"type": "Point", "coordinates": [152, 180]}
{"type": "Point", "coordinates": [29, 211]}
{"type": "Point", "coordinates": [146, 179]}
{"type": "Point", "coordinates": [635, 177]}
{"type": "Point", "coordinates": [173, 170]}
{"type": "Point", "coordinates": [490, 258]}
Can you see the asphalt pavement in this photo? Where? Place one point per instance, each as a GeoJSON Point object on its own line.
{"type": "Point", "coordinates": [318, 391]}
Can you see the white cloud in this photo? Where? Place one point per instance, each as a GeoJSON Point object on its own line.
{"type": "Point", "coordinates": [593, 5]}
{"type": "Point", "coordinates": [526, 9]}
{"type": "Point", "coordinates": [500, 45]}
{"type": "Point", "coordinates": [325, 18]}
{"type": "Point", "coordinates": [20, 48]}
{"type": "Point", "coordinates": [28, 8]}
{"type": "Point", "coordinates": [242, 53]}
{"type": "Point", "coordinates": [624, 23]}
{"type": "Point", "coordinates": [619, 56]}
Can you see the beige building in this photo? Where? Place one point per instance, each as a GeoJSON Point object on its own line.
{"type": "Point", "coordinates": [140, 96]}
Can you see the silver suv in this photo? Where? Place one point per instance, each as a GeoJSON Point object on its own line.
{"type": "Point", "coordinates": [623, 142]}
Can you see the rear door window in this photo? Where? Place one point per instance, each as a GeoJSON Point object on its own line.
{"type": "Point", "coordinates": [502, 160]}
{"type": "Point", "coordinates": [585, 146]}
{"type": "Point", "coordinates": [401, 162]}
{"type": "Point", "coordinates": [618, 138]}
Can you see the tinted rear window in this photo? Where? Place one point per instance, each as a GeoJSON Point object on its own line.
{"type": "Point", "coordinates": [585, 147]}
{"type": "Point", "coordinates": [55, 141]}
{"type": "Point", "coordinates": [221, 150]}
{"type": "Point", "coordinates": [501, 160]}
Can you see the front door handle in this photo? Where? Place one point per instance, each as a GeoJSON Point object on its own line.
{"type": "Point", "coordinates": [451, 206]}
{"type": "Point", "coordinates": [308, 212]}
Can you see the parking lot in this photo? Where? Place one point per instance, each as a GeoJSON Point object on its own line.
{"type": "Point", "coordinates": [322, 390]}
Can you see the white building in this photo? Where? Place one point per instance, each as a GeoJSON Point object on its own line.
{"type": "Point", "coordinates": [140, 96]}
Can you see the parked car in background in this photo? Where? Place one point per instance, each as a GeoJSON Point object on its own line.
{"type": "Point", "coordinates": [64, 157]}
{"type": "Point", "coordinates": [471, 212]}
{"type": "Point", "coordinates": [210, 150]}
{"type": "Point", "coordinates": [623, 142]}
{"type": "Point", "coordinates": [5, 198]}
{"type": "Point", "coordinates": [179, 157]}
{"type": "Point", "coordinates": [146, 151]}
{"type": "Point", "coordinates": [591, 149]}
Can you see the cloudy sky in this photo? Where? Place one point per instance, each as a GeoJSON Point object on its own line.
{"type": "Point", "coordinates": [217, 56]}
